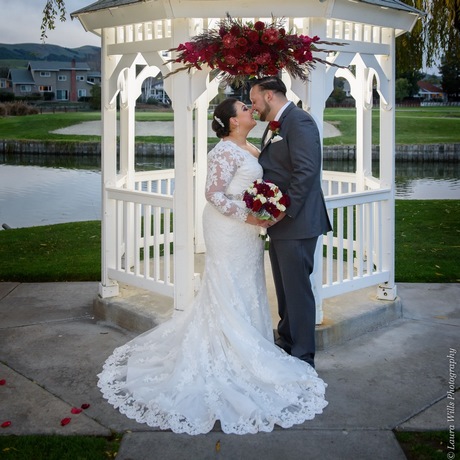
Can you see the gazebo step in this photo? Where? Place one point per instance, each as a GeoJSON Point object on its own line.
{"type": "Point", "coordinates": [345, 316]}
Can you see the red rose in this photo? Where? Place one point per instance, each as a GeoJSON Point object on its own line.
{"type": "Point", "coordinates": [252, 36]}
{"type": "Point", "coordinates": [272, 70]}
{"type": "Point", "coordinates": [263, 58]}
{"type": "Point", "coordinates": [256, 205]}
{"type": "Point", "coordinates": [274, 125]}
{"type": "Point", "coordinates": [229, 41]}
{"type": "Point", "coordinates": [269, 37]}
{"type": "Point", "coordinates": [231, 60]}
{"type": "Point", "coordinates": [235, 30]}
{"type": "Point", "coordinates": [250, 68]}
{"type": "Point", "coordinates": [259, 25]}
{"type": "Point", "coordinates": [242, 41]}
{"type": "Point", "coordinates": [249, 200]}
{"type": "Point", "coordinates": [284, 200]}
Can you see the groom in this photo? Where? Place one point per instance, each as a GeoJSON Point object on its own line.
{"type": "Point", "coordinates": [291, 158]}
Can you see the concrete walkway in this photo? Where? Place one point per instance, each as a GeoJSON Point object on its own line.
{"type": "Point", "coordinates": [51, 349]}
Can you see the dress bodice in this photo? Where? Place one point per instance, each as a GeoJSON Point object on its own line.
{"type": "Point", "coordinates": [231, 170]}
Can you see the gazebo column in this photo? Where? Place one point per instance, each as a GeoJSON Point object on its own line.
{"type": "Point", "coordinates": [315, 100]}
{"type": "Point", "coordinates": [127, 152]}
{"type": "Point", "coordinates": [363, 149]}
{"type": "Point", "coordinates": [388, 290]}
{"type": "Point", "coordinates": [107, 286]}
{"type": "Point", "coordinates": [363, 127]}
{"type": "Point", "coordinates": [201, 149]}
{"type": "Point", "coordinates": [201, 157]}
{"type": "Point", "coordinates": [183, 165]}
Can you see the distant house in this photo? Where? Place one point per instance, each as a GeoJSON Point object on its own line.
{"type": "Point", "coordinates": [428, 92]}
{"type": "Point", "coordinates": [153, 88]}
{"type": "Point", "coordinates": [3, 83]}
{"type": "Point", "coordinates": [21, 82]}
{"type": "Point", "coordinates": [59, 81]}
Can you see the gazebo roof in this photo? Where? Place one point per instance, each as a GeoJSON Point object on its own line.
{"type": "Point", "coordinates": [106, 4]}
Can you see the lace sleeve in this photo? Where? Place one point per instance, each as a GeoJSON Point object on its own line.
{"type": "Point", "coordinates": [223, 162]}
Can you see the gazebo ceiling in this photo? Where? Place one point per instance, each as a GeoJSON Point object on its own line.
{"type": "Point", "coordinates": [112, 13]}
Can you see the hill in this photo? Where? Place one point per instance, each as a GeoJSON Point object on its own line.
{"type": "Point", "coordinates": [18, 55]}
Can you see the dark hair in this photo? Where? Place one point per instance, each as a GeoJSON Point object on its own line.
{"type": "Point", "coordinates": [271, 83]}
{"type": "Point", "coordinates": [221, 118]}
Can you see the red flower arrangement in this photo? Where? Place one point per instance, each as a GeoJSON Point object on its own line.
{"type": "Point", "coordinates": [265, 200]}
{"type": "Point", "coordinates": [238, 50]}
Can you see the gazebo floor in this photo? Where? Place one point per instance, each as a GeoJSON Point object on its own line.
{"type": "Point", "coordinates": [345, 316]}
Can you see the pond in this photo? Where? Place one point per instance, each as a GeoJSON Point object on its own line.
{"type": "Point", "coordinates": [34, 194]}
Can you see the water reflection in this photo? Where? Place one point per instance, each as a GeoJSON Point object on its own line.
{"type": "Point", "coordinates": [50, 189]}
{"type": "Point", "coordinates": [416, 180]}
{"type": "Point", "coordinates": [93, 162]}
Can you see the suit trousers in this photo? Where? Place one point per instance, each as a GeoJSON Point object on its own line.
{"type": "Point", "coordinates": [292, 264]}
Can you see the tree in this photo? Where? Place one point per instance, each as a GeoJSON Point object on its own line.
{"type": "Point", "coordinates": [431, 35]}
{"type": "Point", "coordinates": [52, 10]}
{"type": "Point", "coordinates": [412, 77]}
{"type": "Point", "coordinates": [401, 89]}
{"type": "Point", "coordinates": [450, 72]}
{"type": "Point", "coordinates": [95, 100]}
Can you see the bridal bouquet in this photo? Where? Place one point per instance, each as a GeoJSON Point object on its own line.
{"type": "Point", "coordinates": [265, 200]}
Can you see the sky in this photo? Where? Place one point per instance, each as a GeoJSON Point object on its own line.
{"type": "Point", "coordinates": [20, 22]}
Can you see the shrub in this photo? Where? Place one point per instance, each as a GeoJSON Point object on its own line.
{"type": "Point", "coordinates": [6, 96]}
{"type": "Point", "coordinates": [18, 109]}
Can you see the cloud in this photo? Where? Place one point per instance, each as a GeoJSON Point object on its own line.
{"type": "Point", "coordinates": [21, 21]}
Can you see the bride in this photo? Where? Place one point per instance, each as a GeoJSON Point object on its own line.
{"type": "Point", "coordinates": [217, 359]}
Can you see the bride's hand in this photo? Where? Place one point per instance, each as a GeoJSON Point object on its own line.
{"type": "Point", "coordinates": [253, 220]}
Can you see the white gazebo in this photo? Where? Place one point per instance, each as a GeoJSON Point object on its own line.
{"type": "Point", "coordinates": [151, 220]}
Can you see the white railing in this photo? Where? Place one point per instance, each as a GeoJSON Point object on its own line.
{"type": "Point", "coordinates": [144, 235]}
{"type": "Point", "coordinates": [353, 250]}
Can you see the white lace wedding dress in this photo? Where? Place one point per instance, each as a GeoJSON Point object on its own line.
{"type": "Point", "coordinates": [216, 360]}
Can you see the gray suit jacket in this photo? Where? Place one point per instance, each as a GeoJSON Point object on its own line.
{"type": "Point", "coordinates": [294, 164]}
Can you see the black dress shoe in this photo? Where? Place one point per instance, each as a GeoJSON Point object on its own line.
{"type": "Point", "coordinates": [280, 343]}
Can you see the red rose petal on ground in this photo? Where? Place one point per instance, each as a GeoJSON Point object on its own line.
{"type": "Point", "coordinates": [6, 424]}
{"type": "Point", "coordinates": [65, 421]}
{"type": "Point", "coordinates": [85, 406]}
{"type": "Point", "coordinates": [2, 382]}
{"type": "Point", "coordinates": [75, 410]}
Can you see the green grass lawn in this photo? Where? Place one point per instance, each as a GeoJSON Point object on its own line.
{"type": "Point", "coordinates": [421, 125]}
{"type": "Point", "coordinates": [58, 447]}
{"type": "Point", "coordinates": [427, 247]}
{"type": "Point", "coordinates": [427, 445]}
{"type": "Point", "coordinates": [413, 125]}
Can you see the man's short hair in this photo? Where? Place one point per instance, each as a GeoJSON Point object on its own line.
{"type": "Point", "coordinates": [271, 83]}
